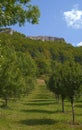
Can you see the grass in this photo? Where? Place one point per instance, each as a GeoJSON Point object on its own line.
{"type": "Point", "coordinates": [39, 111]}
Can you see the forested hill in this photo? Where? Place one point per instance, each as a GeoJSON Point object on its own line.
{"type": "Point", "coordinates": [44, 53]}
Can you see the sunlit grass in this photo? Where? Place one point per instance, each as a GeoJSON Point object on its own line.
{"type": "Point", "coordinates": [39, 111]}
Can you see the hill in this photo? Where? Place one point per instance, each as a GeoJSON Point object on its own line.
{"type": "Point", "coordinates": [44, 53]}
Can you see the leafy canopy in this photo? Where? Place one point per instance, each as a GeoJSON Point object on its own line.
{"type": "Point", "coordinates": [17, 11]}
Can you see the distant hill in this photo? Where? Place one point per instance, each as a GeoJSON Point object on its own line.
{"type": "Point", "coordinates": [42, 38]}
{"type": "Point", "coordinates": [44, 50]}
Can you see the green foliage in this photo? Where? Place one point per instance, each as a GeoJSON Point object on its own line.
{"type": "Point", "coordinates": [26, 64]}
{"type": "Point", "coordinates": [78, 54]}
{"type": "Point", "coordinates": [46, 53]}
{"type": "Point", "coordinates": [18, 11]}
{"type": "Point", "coordinates": [30, 57]}
{"type": "Point", "coordinates": [17, 70]}
{"type": "Point", "coordinates": [55, 81]}
{"type": "Point", "coordinates": [66, 79]}
{"type": "Point", "coordinates": [28, 69]}
{"type": "Point", "coordinates": [72, 74]}
{"type": "Point", "coordinates": [67, 82]}
{"type": "Point", "coordinates": [72, 77]}
{"type": "Point", "coordinates": [11, 84]}
{"type": "Point", "coordinates": [44, 67]}
{"type": "Point", "coordinates": [30, 84]}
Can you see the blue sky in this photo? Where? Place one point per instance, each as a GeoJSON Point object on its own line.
{"type": "Point", "coordinates": [59, 18]}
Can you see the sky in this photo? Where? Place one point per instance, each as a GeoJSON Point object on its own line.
{"type": "Point", "coordinates": [59, 18]}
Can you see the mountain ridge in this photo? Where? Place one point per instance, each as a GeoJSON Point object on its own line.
{"type": "Point", "coordinates": [45, 38]}
{"type": "Point", "coordinates": [42, 38]}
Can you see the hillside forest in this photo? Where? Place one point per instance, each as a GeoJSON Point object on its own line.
{"type": "Point", "coordinates": [23, 61]}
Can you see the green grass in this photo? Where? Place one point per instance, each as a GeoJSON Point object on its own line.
{"type": "Point", "coordinates": [39, 111]}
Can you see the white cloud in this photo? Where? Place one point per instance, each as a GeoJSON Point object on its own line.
{"type": "Point", "coordinates": [79, 44]}
{"type": "Point", "coordinates": [74, 18]}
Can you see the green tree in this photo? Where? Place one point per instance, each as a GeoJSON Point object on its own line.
{"type": "Point", "coordinates": [55, 83]}
{"type": "Point", "coordinates": [17, 11]}
{"type": "Point", "coordinates": [44, 66]}
{"type": "Point", "coordinates": [11, 80]}
{"type": "Point", "coordinates": [26, 64]}
{"type": "Point", "coordinates": [72, 76]}
{"type": "Point", "coordinates": [28, 69]}
{"type": "Point", "coordinates": [78, 54]}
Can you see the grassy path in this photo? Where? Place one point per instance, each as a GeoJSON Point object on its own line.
{"type": "Point", "coordinates": [38, 111]}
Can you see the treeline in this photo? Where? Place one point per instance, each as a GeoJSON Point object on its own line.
{"type": "Point", "coordinates": [23, 59]}
{"type": "Point", "coordinates": [17, 69]}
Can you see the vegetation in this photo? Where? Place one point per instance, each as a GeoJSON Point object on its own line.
{"type": "Point", "coordinates": [26, 65]}
{"type": "Point", "coordinates": [56, 83]}
{"type": "Point", "coordinates": [38, 111]}
{"type": "Point", "coordinates": [16, 71]}
{"type": "Point", "coordinates": [17, 11]}
{"type": "Point", "coordinates": [73, 82]}
{"type": "Point", "coordinates": [23, 61]}
{"type": "Point", "coordinates": [67, 82]}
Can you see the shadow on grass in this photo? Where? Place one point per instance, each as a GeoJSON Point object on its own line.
{"type": "Point", "coordinates": [33, 122]}
{"type": "Point", "coordinates": [79, 114]}
{"type": "Point", "coordinates": [79, 101]}
{"type": "Point", "coordinates": [40, 111]}
{"type": "Point", "coordinates": [43, 100]}
{"type": "Point", "coordinates": [6, 107]}
{"type": "Point", "coordinates": [43, 96]}
{"type": "Point", "coordinates": [78, 105]}
{"type": "Point", "coordinates": [39, 103]}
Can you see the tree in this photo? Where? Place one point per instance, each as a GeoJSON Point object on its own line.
{"type": "Point", "coordinates": [28, 69]}
{"type": "Point", "coordinates": [44, 66]}
{"type": "Point", "coordinates": [67, 82]}
{"type": "Point", "coordinates": [72, 76]}
{"type": "Point", "coordinates": [78, 54]}
{"type": "Point", "coordinates": [11, 80]}
{"type": "Point", "coordinates": [26, 64]}
{"type": "Point", "coordinates": [17, 71]}
{"type": "Point", "coordinates": [17, 11]}
{"type": "Point", "coordinates": [56, 84]}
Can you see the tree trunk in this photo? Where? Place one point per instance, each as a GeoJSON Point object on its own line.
{"type": "Point", "coordinates": [73, 113]}
{"type": "Point", "coordinates": [63, 104]}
